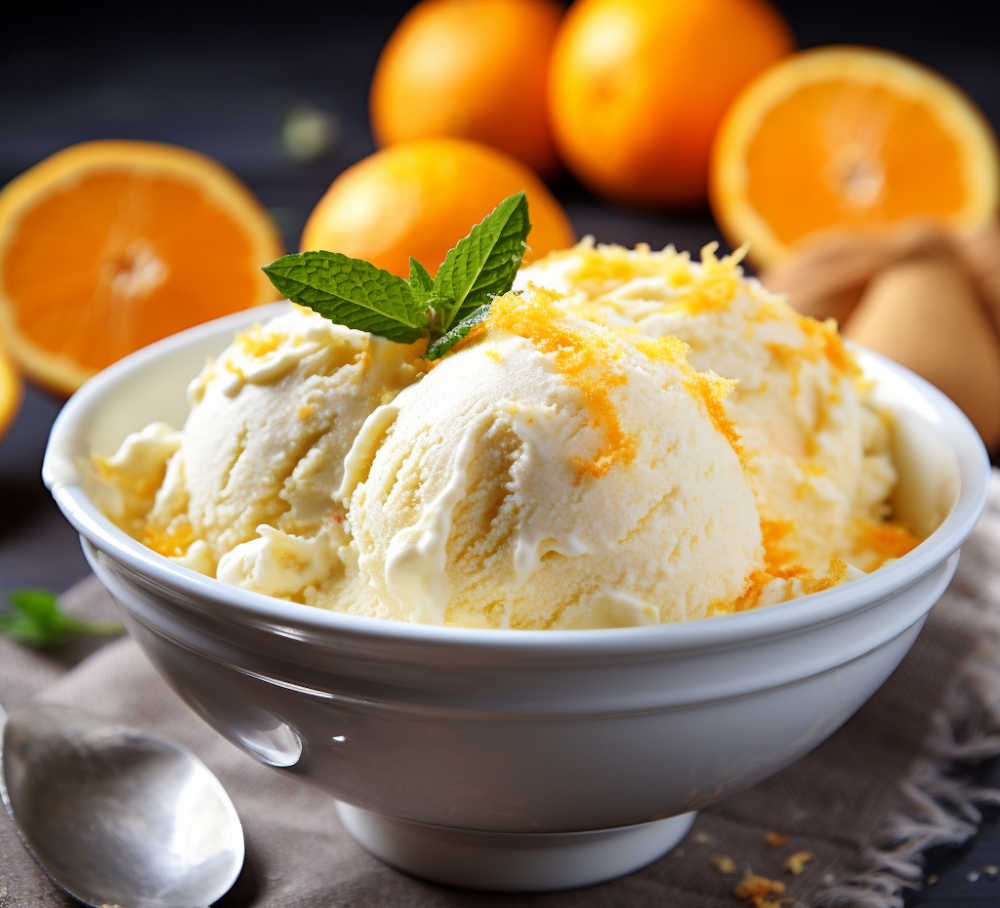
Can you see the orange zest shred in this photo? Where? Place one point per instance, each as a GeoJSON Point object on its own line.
{"type": "Point", "coordinates": [777, 559]}
{"type": "Point", "coordinates": [710, 389]}
{"type": "Point", "coordinates": [140, 486]}
{"type": "Point", "coordinates": [230, 366]}
{"type": "Point", "coordinates": [600, 266]}
{"type": "Point", "coordinates": [709, 289]}
{"type": "Point", "coordinates": [886, 539]}
{"type": "Point", "coordinates": [717, 284]}
{"type": "Point", "coordinates": [172, 541]}
{"type": "Point", "coordinates": [584, 360]}
{"type": "Point", "coordinates": [776, 839]}
{"type": "Point", "coordinates": [809, 583]}
{"type": "Point", "coordinates": [822, 342]}
{"type": "Point", "coordinates": [790, 359]}
{"type": "Point", "coordinates": [825, 340]}
{"type": "Point", "coordinates": [257, 343]}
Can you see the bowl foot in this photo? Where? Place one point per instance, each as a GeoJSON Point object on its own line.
{"type": "Point", "coordinates": [512, 862]}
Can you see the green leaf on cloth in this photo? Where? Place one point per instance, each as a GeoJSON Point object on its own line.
{"type": "Point", "coordinates": [36, 619]}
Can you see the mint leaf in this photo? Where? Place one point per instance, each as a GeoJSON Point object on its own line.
{"type": "Point", "coordinates": [422, 285]}
{"type": "Point", "coordinates": [36, 619]}
{"type": "Point", "coordinates": [483, 264]}
{"type": "Point", "coordinates": [420, 280]}
{"type": "Point", "coordinates": [351, 292]}
{"type": "Point", "coordinates": [437, 348]}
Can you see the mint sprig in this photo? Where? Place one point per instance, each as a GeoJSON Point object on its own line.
{"type": "Point", "coordinates": [444, 309]}
{"type": "Point", "coordinates": [483, 264]}
{"type": "Point", "coordinates": [36, 619]}
{"type": "Point", "coordinates": [437, 348]}
{"type": "Point", "coordinates": [420, 280]}
{"type": "Point", "coordinates": [351, 292]}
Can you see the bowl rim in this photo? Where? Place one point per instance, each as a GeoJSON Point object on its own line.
{"type": "Point", "coordinates": [63, 481]}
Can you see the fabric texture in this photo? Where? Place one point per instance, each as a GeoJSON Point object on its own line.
{"type": "Point", "coordinates": [897, 779]}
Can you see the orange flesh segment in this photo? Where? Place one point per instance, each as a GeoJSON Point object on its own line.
{"type": "Point", "coordinates": [852, 154]}
{"type": "Point", "coordinates": [116, 259]}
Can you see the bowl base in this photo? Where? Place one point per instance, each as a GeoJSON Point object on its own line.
{"type": "Point", "coordinates": [512, 862]}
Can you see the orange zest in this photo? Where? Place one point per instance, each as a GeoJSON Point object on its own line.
{"type": "Point", "coordinates": [777, 560]}
{"type": "Point", "coordinates": [849, 138]}
{"type": "Point", "coordinates": [886, 539]}
{"type": "Point", "coordinates": [719, 281]}
{"type": "Point", "coordinates": [584, 360]}
{"type": "Point", "coordinates": [108, 246]}
{"type": "Point", "coordinates": [172, 542]}
{"type": "Point", "coordinates": [710, 389]}
{"type": "Point", "coordinates": [257, 343]}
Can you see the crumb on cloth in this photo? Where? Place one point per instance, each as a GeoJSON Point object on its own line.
{"type": "Point", "coordinates": [759, 889]}
{"type": "Point", "coordinates": [723, 863]}
{"type": "Point", "coordinates": [796, 863]}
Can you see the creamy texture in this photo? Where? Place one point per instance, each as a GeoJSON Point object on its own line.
{"type": "Point", "coordinates": [815, 451]}
{"type": "Point", "coordinates": [494, 497]}
{"type": "Point", "coordinates": [248, 495]}
{"type": "Point", "coordinates": [632, 438]}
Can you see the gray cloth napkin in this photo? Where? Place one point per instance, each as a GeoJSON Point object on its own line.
{"type": "Point", "coordinates": [895, 780]}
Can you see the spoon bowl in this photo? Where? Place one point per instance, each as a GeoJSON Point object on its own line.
{"type": "Point", "coordinates": [116, 816]}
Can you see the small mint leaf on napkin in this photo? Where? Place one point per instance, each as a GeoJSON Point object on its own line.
{"type": "Point", "coordinates": [437, 348]}
{"type": "Point", "coordinates": [483, 264]}
{"type": "Point", "coordinates": [351, 292]}
{"type": "Point", "coordinates": [36, 619]}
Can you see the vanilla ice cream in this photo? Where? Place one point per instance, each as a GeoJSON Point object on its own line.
{"type": "Point", "coordinates": [245, 491]}
{"type": "Point", "coordinates": [630, 438]}
{"type": "Point", "coordinates": [816, 451]}
{"type": "Point", "coordinates": [551, 475]}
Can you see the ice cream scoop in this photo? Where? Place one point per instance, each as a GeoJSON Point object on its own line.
{"type": "Point", "coordinates": [816, 452]}
{"type": "Point", "coordinates": [552, 474]}
{"type": "Point", "coordinates": [271, 420]}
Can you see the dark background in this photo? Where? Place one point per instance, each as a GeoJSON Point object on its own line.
{"type": "Point", "coordinates": [221, 78]}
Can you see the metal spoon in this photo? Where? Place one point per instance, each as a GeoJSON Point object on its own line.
{"type": "Point", "coordinates": [115, 816]}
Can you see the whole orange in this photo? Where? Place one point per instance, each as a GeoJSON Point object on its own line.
{"type": "Point", "coordinates": [638, 88]}
{"type": "Point", "coordinates": [470, 69]}
{"type": "Point", "coordinates": [420, 197]}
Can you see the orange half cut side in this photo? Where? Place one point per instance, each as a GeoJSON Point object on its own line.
{"type": "Point", "coordinates": [849, 138]}
{"type": "Point", "coordinates": [108, 246]}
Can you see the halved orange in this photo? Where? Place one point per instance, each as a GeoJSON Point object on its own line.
{"type": "Point", "coordinates": [108, 246]}
{"type": "Point", "coordinates": [10, 392]}
{"type": "Point", "coordinates": [849, 137]}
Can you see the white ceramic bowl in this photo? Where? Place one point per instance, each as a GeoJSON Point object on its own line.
{"type": "Point", "coordinates": [516, 759]}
